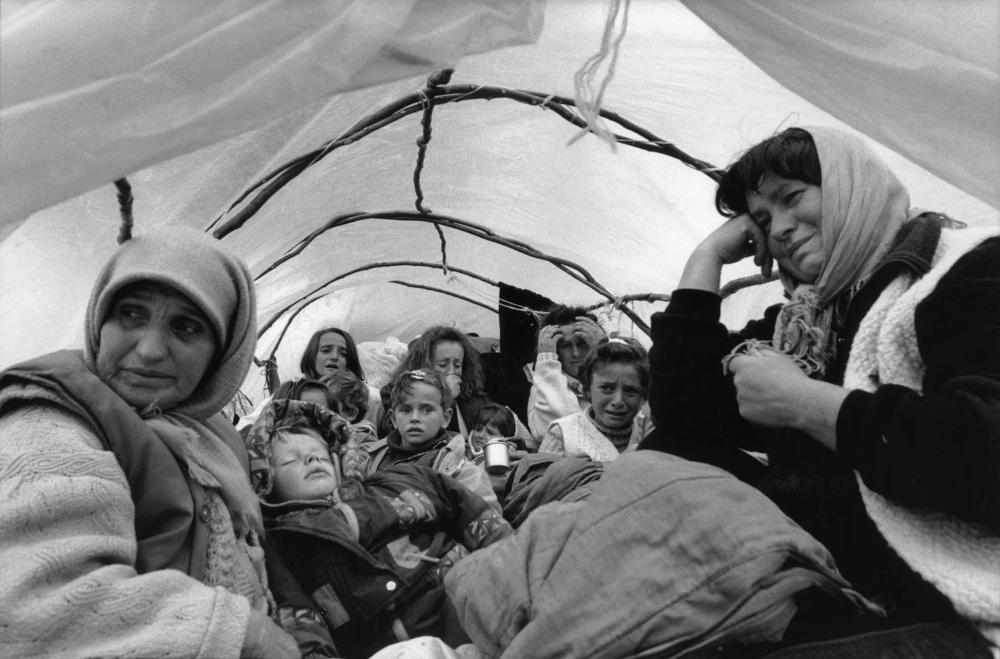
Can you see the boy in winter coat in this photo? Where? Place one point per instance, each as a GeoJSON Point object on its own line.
{"type": "Point", "coordinates": [420, 408]}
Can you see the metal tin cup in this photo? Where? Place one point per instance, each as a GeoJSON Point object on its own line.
{"type": "Point", "coordinates": [497, 455]}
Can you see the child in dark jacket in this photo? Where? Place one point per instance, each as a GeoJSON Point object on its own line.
{"type": "Point", "coordinates": [420, 409]}
{"type": "Point", "coordinates": [358, 561]}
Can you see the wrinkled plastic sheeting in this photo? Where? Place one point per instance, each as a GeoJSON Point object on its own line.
{"type": "Point", "coordinates": [90, 92]}
{"type": "Point", "coordinates": [380, 359]}
{"type": "Point", "coordinates": [630, 217]}
{"type": "Point", "coordinates": [932, 67]}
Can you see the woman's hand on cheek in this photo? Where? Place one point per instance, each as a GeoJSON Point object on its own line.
{"type": "Point", "coordinates": [734, 240]}
{"type": "Point", "coordinates": [768, 388]}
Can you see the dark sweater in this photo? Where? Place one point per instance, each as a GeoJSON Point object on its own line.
{"type": "Point", "coordinates": [938, 449]}
{"type": "Point", "coordinates": [372, 564]}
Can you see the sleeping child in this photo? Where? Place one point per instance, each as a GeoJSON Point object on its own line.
{"type": "Point", "coordinates": [357, 562]}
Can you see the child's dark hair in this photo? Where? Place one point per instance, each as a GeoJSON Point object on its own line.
{"type": "Point", "coordinates": [560, 314]}
{"type": "Point", "coordinates": [615, 351]}
{"type": "Point", "coordinates": [789, 154]}
{"type": "Point", "coordinates": [349, 392]}
{"type": "Point", "coordinates": [292, 390]}
{"type": "Point", "coordinates": [407, 379]}
{"type": "Point", "coordinates": [499, 415]}
{"type": "Point", "coordinates": [308, 362]}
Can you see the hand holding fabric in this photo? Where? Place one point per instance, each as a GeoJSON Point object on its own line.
{"type": "Point", "coordinates": [767, 385]}
{"type": "Point", "coordinates": [772, 391]}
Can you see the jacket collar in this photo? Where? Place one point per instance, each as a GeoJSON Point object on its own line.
{"type": "Point", "coordinates": [911, 251]}
{"type": "Point", "coordinates": [394, 441]}
{"type": "Point", "coordinates": [914, 245]}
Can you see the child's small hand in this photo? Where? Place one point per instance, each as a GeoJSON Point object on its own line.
{"type": "Point", "coordinates": [588, 330]}
{"type": "Point", "coordinates": [548, 338]}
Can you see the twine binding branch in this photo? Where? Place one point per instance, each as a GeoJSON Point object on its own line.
{"type": "Point", "coordinates": [124, 209]}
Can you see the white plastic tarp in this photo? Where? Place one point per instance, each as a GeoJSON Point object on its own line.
{"type": "Point", "coordinates": [96, 90]}
{"type": "Point", "coordinates": [629, 217]}
{"type": "Point", "coordinates": [922, 77]}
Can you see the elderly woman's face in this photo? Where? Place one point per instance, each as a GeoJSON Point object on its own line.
{"type": "Point", "coordinates": [155, 346]}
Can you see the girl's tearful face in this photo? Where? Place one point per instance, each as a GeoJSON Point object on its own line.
{"type": "Point", "coordinates": [616, 394]}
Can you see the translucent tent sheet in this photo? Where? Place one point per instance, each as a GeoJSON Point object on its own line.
{"type": "Point", "coordinates": [122, 85]}
{"type": "Point", "coordinates": [920, 76]}
{"type": "Point", "coordinates": [630, 217]}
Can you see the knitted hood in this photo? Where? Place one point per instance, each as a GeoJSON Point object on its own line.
{"type": "Point", "coordinates": [216, 281]}
{"type": "Point", "coordinates": [283, 413]}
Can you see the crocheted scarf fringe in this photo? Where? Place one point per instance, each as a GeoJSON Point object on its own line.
{"type": "Point", "coordinates": [802, 331]}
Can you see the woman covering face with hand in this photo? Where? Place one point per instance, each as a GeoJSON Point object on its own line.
{"type": "Point", "coordinates": [449, 353]}
{"type": "Point", "coordinates": [122, 480]}
{"type": "Point", "coordinates": [565, 337]}
{"type": "Point", "coordinates": [874, 390]}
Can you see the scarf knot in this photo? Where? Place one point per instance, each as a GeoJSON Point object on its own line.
{"type": "Point", "coordinates": [803, 331]}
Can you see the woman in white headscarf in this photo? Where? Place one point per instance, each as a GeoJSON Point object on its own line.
{"type": "Point", "coordinates": [874, 390]}
{"type": "Point", "coordinates": [128, 525]}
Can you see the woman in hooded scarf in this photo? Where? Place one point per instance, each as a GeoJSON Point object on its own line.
{"type": "Point", "coordinates": [874, 390]}
{"type": "Point", "coordinates": [129, 525]}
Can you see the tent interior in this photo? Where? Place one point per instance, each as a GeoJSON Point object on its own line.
{"type": "Point", "coordinates": [197, 102]}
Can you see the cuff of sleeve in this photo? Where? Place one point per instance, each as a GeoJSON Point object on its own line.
{"type": "Point", "coordinates": [852, 418]}
{"type": "Point", "coordinates": [546, 356]}
{"type": "Point", "coordinates": [694, 302]}
{"type": "Point", "coordinates": [689, 303]}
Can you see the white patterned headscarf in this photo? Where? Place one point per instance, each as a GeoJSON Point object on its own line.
{"type": "Point", "coordinates": [863, 206]}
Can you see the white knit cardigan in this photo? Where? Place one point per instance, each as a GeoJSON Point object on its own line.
{"type": "Point", "coordinates": [962, 560]}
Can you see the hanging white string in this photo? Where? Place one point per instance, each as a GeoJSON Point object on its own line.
{"type": "Point", "coordinates": [588, 101]}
